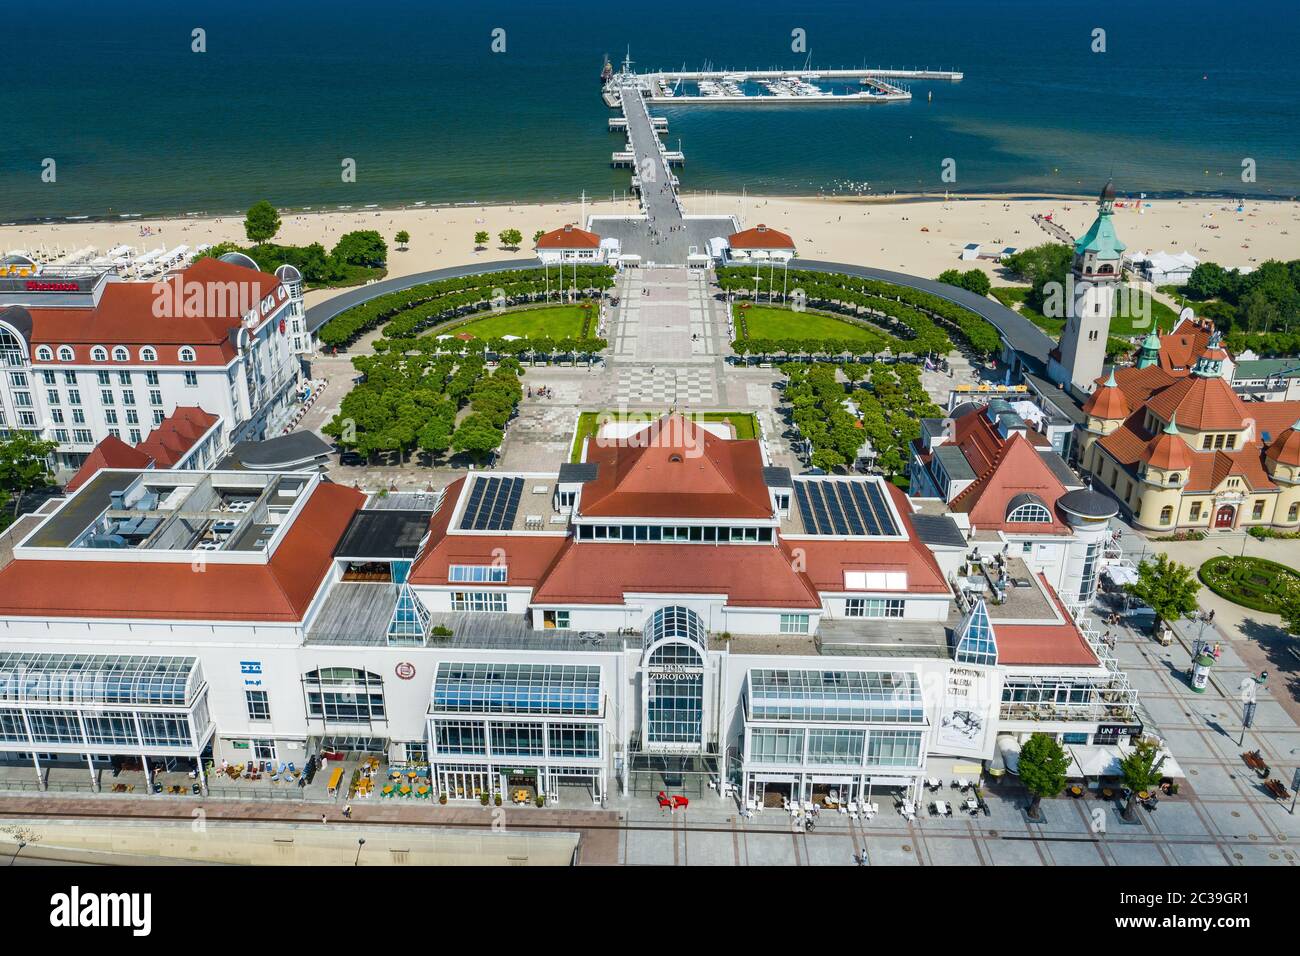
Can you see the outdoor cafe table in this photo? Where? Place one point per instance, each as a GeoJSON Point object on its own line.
{"type": "Point", "coordinates": [335, 779]}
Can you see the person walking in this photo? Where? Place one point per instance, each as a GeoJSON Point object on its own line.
{"type": "Point", "coordinates": [347, 811]}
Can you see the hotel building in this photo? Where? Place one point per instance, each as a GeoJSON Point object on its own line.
{"type": "Point", "coordinates": [87, 356]}
{"type": "Point", "coordinates": [669, 613]}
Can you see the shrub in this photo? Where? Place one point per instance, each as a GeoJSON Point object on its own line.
{"type": "Point", "coordinates": [1256, 583]}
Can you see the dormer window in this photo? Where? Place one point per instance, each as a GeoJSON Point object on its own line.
{"type": "Point", "coordinates": [44, 353]}
{"type": "Point", "coordinates": [1028, 508]}
{"type": "Point", "coordinates": [185, 354]}
{"type": "Point", "coordinates": [120, 354]}
{"type": "Point", "coordinates": [66, 354]}
{"type": "Point", "coordinates": [99, 354]}
{"type": "Point", "coordinates": [148, 354]}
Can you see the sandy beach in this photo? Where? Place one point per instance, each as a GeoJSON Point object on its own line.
{"type": "Point", "coordinates": [920, 236]}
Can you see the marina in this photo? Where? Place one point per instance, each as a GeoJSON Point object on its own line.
{"type": "Point", "coordinates": [765, 87]}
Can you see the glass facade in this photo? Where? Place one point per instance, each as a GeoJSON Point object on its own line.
{"type": "Point", "coordinates": [654, 533]}
{"type": "Point", "coordinates": [976, 642]}
{"type": "Point", "coordinates": [851, 697]}
{"type": "Point", "coordinates": [894, 748]}
{"type": "Point", "coordinates": [483, 688]}
{"type": "Point", "coordinates": [99, 679]}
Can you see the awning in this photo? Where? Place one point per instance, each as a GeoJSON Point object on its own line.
{"type": "Point", "coordinates": [1120, 574]}
{"type": "Point", "coordinates": [1095, 760]}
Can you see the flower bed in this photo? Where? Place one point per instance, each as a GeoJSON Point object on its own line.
{"type": "Point", "coordinates": [1251, 582]}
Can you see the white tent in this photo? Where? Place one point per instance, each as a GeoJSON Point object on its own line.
{"type": "Point", "coordinates": [1120, 574]}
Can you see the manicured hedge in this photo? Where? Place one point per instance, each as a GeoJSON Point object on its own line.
{"type": "Point", "coordinates": [1256, 583]}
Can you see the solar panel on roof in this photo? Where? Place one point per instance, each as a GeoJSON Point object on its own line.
{"type": "Point", "coordinates": [877, 499]}
{"type": "Point", "coordinates": [805, 509]}
{"type": "Point", "coordinates": [869, 519]}
{"type": "Point", "coordinates": [833, 508]}
{"type": "Point", "coordinates": [493, 504]}
{"type": "Point", "coordinates": [842, 489]}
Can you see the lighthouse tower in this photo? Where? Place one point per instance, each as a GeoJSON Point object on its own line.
{"type": "Point", "coordinates": [1081, 353]}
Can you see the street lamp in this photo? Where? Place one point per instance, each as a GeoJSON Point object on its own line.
{"type": "Point", "coordinates": [361, 841]}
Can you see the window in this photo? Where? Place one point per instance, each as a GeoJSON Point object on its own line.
{"type": "Point", "coordinates": [148, 354]}
{"type": "Point", "coordinates": [78, 416]}
{"type": "Point", "coordinates": [873, 607]}
{"type": "Point", "coordinates": [191, 378]}
{"type": "Point", "coordinates": [74, 396]}
{"type": "Point", "coordinates": [1166, 514]}
{"type": "Point", "coordinates": [157, 418]}
{"type": "Point", "coordinates": [123, 378]}
{"type": "Point", "coordinates": [1174, 478]}
{"type": "Point", "coordinates": [66, 354]}
{"type": "Point", "coordinates": [106, 396]}
{"type": "Point", "coordinates": [128, 396]}
{"type": "Point", "coordinates": [574, 740]}
{"type": "Point", "coordinates": [110, 416]}
{"type": "Point", "coordinates": [99, 354]}
{"type": "Point", "coordinates": [135, 436]}
{"type": "Point", "coordinates": [103, 378]}
{"type": "Point", "coordinates": [794, 623]}
{"type": "Point", "coordinates": [494, 601]}
{"type": "Point", "coordinates": [836, 746]}
{"type": "Point", "coordinates": [1232, 442]}
{"type": "Point", "coordinates": [185, 354]}
{"type": "Point", "coordinates": [556, 619]}
{"type": "Point", "coordinates": [44, 353]}
{"type": "Point", "coordinates": [894, 748]}
{"type": "Point", "coordinates": [258, 703]}
{"type": "Point", "coordinates": [1257, 510]}
{"type": "Point", "coordinates": [120, 354]}
{"type": "Point", "coordinates": [18, 379]}
{"type": "Point", "coordinates": [155, 396]}
{"type": "Point", "coordinates": [82, 436]}
{"type": "Point", "coordinates": [516, 740]}
{"type": "Point", "coordinates": [477, 574]}
{"type": "Point", "coordinates": [460, 737]}
{"type": "Point", "coordinates": [151, 377]}
{"type": "Point", "coordinates": [1293, 512]}
{"type": "Point", "coordinates": [1207, 443]}
{"type": "Point", "coordinates": [49, 377]}
{"type": "Point", "coordinates": [57, 415]}
{"type": "Point", "coordinates": [1028, 508]}
{"type": "Point", "coordinates": [776, 745]}
{"type": "Point", "coordinates": [1195, 513]}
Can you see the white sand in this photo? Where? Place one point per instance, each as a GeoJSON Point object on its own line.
{"type": "Point", "coordinates": [922, 237]}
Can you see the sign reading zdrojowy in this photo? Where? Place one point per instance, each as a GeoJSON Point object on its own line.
{"type": "Point", "coordinates": [405, 670]}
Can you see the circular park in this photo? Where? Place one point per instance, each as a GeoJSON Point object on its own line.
{"type": "Point", "coordinates": [1256, 583]}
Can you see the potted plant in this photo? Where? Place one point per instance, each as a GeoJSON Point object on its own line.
{"type": "Point", "coordinates": [483, 798]}
{"type": "Point", "coordinates": [541, 800]}
{"type": "Point", "coordinates": [442, 798]}
{"type": "Point", "coordinates": [497, 799]}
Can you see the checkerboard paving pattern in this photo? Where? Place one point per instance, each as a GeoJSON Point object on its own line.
{"type": "Point", "coordinates": [665, 385]}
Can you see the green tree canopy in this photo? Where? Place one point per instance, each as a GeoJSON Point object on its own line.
{"type": "Point", "coordinates": [24, 465]}
{"type": "Point", "coordinates": [1043, 766]}
{"type": "Point", "coordinates": [481, 238]}
{"type": "Point", "coordinates": [403, 238]}
{"type": "Point", "coordinates": [261, 222]}
{"type": "Point", "coordinates": [364, 247]}
{"type": "Point", "coordinates": [1140, 771]}
{"type": "Point", "coordinates": [511, 237]}
{"type": "Point", "coordinates": [1168, 587]}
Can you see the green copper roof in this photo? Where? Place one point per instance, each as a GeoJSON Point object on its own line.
{"type": "Point", "coordinates": [1172, 427]}
{"type": "Point", "coordinates": [1101, 239]}
{"type": "Point", "coordinates": [1152, 341]}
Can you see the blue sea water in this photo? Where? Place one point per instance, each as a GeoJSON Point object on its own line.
{"type": "Point", "coordinates": [137, 123]}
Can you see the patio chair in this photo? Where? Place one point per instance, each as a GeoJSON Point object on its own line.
{"type": "Point", "coordinates": [664, 802]}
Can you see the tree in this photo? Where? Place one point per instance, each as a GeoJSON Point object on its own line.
{"type": "Point", "coordinates": [481, 238]}
{"type": "Point", "coordinates": [24, 466]}
{"type": "Point", "coordinates": [1043, 765]}
{"type": "Point", "coordinates": [1289, 609]}
{"type": "Point", "coordinates": [1207, 280]}
{"type": "Point", "coordinates": [476, 436]}
{"type": "Point", "coordinates": [1141, 771]}
{"type": "Point", "coordinates": [365, 247]}
{"type": "Point", "coordinates": [1168, 587]}
{"type": "Point", "coordinates": [402, 239]}
{"type": "Point", "coordinates": [511, 238]}
{"type": "Point", "coordinates": [974, 280]}
{"type": "Point", "coordinates": [261, 223]}
{"type": "Point", "coordinates": [538, 234]}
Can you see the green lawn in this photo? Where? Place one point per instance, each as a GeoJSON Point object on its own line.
{"type": "Point", "coordinates": [742, 423]}
{"type": "Point", "coordinates": [557, 321]}
{"type": "Point", "coordinates": [774, 322]}
{"type": "Point", "coordinates": [1013, 297]}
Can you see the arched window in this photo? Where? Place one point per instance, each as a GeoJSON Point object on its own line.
{"type": "Point", "coordinates": [66, 354]}
{"type": "Point", "coordinates": [674, 621]}
{"type": "Point", "coordinates": [1166, 514]}
{"type": "Point", "coordinates": [1293, 512]}
{"type": "Point", "coordinates": [148, 353]}
{"type": "Point", "coordinates": [1106, 270]}
{"type": "Point", "coordinates": [673, 687]}
{"type": "Point", "coordinates": [1174, 478]}
{"type": "Point", "coordinates": [1029, 508]}
{"type": "Point", "coordinates": [44, 353]}
{"type": "Point", "coordinates": [120, 354]}
{"type": "Point", "coordinates": [186, 354]}
{"type": "Point", "coordinates": [99, 354]}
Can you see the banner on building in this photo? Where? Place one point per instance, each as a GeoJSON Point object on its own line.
{"type": "Point", "coordinates": [968, 712]}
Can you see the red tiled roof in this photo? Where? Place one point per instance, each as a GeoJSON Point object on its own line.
{"type": "Point", "coordinates": [176, 435]}
{"type": "Point", "coordinates": [126, 314]}
{"type": "Point", "coordinates": [1053, 645]}
{"type": "Point", "coordinates": [1210, 469]}
{"type": "Point", "coordinates": [280, 591]}
{"type": "Point", "coordinates": [1017, 469]}
{"type": "Point", "coordinates": [1285, 448]}
{"type": "Point", "coordinates": [1181, 347]}
{"type": "Point", "coordinates": [749, 576]}
{"type": "Point", "coordinates": [1138, 384]}
{"type": "Point", "coordinates": [1108, 402]}
{"type": "Point", "coordinates": [675, 469]}
{"type": "Point", "coordinates": [1127, 443]}
{"type": "Point", "coordinates": [568, 237]}
{"type": "Point", "coordinates": [112, 452]}
{"type": "Point", "coordinates": [1201, 404]}
{"type": "Point", "coordinates": [826, 561]}
{"type": "Point", "coordinates": [761, 237]}
{"type": "Point", "coordinates": [1167, 451]}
